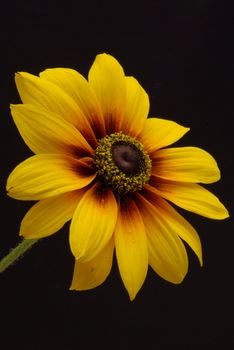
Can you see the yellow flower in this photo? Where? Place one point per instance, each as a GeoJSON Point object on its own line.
{"type": "Point", "coordinates": [102, 164]}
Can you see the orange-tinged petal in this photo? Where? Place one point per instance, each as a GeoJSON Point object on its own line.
{"type": "Point", "coordinates": [76, 86]}
{"type": "Point", "coordinates": [45, 175]}
{"type": "Point", "coordinates": [41, 92]}
{"type": "Point", "coordinates": [192, 197]}
{"type": "Point", "coordinates": [93, 223]}
{"type": "Point", "coordinates": [158, 133]}
{"type": "Point", "coordinates": [131, 247]}
{"type": "Point", "coordinates": [94, 272]}
{"type": "Point", "coordinates": [46, 132]}
{"type": "Point", "coordinates": [49, 215]}
{"type": "Point", "coordinates": [167, 254]}
{"type": "Point", "coordinates": [185, 164]}
{"type": "Point", "coordinates": [136, 108]}
{"type": "Point", "coordinates": [106, 78]}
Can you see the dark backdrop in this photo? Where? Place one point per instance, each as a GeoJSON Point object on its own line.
{"type": "Point", "coordinates": [181, 53]}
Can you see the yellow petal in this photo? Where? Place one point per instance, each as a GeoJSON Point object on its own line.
{"type": "Point", "coordinates": [45, 175]}
{"type": "Point", "coordinates": [167, 254]}
{"type": "Point", "coordinates": [49, 215]}
{"type": "Point", "coordinates": [136, 109]}
{"type": "Point", "coordinates": [93, 223]}
{"type": "Point", "coordinates": [131, 247]}
{"type": "Point", "coordinates": [41, 92]}
{"type": "Point", "coordinates": [46, 132]}
{"type": "Point", "coordinates": [106, 78]}
{"type": "Point", "coordinates": [192, 197]}
{"type": "Point", "coordinates": [185, 164]}
{"type": "Point", "coordinates": [93, 273]}
{"type": "Point", "coordinates": [174, 221]}
{"type": "Point", "coordinates": [76, 86]}
{"type": "Point", "coordinates": [158, 133]}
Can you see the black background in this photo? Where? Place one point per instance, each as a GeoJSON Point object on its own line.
{"type": "Point", "coordinates": [181, 52]}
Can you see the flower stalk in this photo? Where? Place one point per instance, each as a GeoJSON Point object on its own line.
{"type": "Point", "coordinates": [16, 253]}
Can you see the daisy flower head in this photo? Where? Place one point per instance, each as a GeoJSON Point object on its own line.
{"type": "Point", "coordinates": [102, 164]}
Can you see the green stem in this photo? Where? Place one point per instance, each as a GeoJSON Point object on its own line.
{"type": "Point", "coordinates": [16, 253]}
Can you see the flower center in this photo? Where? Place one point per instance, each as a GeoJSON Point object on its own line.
{"type": "Point", "coordinates": [127, 158]}
{"type": "Point", "coordinates": [122, 163]}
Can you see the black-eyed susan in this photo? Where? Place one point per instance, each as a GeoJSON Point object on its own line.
{"type": "Point", "coordinates": [102, 164]}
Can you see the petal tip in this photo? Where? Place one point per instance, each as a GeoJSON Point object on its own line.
{"type": "Point", "coordinates": [179, 281]}
{"type": "Point", "coordinates": [81, 255]}
{"type": "Point", "coordinates": [9, 189]}
{"type": "Point", "coordinates": [179, 278]}
{"type": "Point", "coordinates": [222, 212]}
{"type": "Point", "coordinates": [19, 75]}
{"type": "Point", "coordinates": [13, 106]}
{"type": "Point", "coordinates": [226, 214]}
{"type": "Point", "coordinates": [71, 288]}
{"type": "Point", "coordinates": [132, 297]}
{"type": "Point", "coordinates": [131, 293]}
